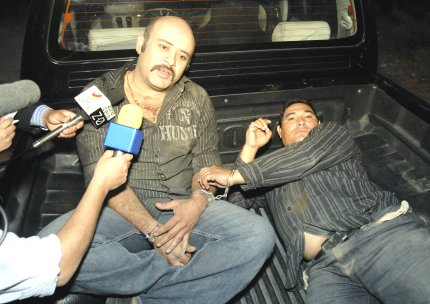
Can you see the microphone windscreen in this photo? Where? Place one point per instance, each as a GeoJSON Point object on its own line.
{"type": "Point", "coordinates": [130, 115]}
{"type": "Point", "coordinates": [18, 95]}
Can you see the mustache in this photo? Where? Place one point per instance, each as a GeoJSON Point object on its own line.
{"type": "Point", "coordinates": [163, 66]}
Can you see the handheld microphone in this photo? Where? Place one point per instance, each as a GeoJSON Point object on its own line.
{"type": "Point", "coordinates": [57, 131]}
{"type": "Point", "coordinates": [18, 95]}
{"type": "Point", "coordinates": [125, 136]}
{"type": "Point", "coordinates": [96, 107]}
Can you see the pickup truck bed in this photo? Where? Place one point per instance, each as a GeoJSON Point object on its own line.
{"type": "Point", "coordinates": [394, 141]}
{"type": "Point", "coordinates": [248, 73]}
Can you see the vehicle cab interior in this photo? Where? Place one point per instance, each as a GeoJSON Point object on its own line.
{"type": "Point", "coordinates": [113, 25]}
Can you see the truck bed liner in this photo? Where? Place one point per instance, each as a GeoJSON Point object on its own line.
{"type": "Point", "coordinates": [397, 159]}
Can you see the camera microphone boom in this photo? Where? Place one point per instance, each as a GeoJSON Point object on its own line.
{"type": "Point", "coordinates": [18, 95]}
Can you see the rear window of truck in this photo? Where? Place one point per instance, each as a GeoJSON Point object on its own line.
{"type": "Point", "coordinates": [97, 26]}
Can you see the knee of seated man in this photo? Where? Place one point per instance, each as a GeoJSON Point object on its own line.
{"type": "Point", "coordinates": [261, 236]}
{"type": "Point", "coordinates": [55, 226]}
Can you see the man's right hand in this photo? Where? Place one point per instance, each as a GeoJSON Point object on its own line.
{"type": "Point", "coordinates": [7, 133]}
{"type": "Point", "coordinates": [258, 133]}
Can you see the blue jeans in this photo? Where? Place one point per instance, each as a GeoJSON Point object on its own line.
{"type": "Point", "coordinates": [388, 263]}
{"type": "Point", "coordinates": [232, 245]}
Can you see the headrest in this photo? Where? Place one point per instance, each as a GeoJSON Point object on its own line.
{"type": "Point", "coordinates": [301, 30]}
{"type": "Point", "coordinates": [114, 38]}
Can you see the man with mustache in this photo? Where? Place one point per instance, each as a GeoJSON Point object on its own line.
{"type": "Point", "coordinates": [164, 238]}
{"type": "Point", "coordinates": [359, 244]}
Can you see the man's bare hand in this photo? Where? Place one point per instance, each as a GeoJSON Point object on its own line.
{"type": "Point", "coordinates": [177, 229]}
{"type": "Point", "coordinates": [7, 133]}
{"type": "Point", "coordinates": [258, 133]}
{"type": "Point", "coordinates": [180, 255]}
{"type": "Point", "coordinates": [214, 176]}
{"type": "Point", "coordinates": [110, 171]}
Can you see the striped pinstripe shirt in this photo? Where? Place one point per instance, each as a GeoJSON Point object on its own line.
{"type": "Point", "coordinates": [183, 140]}
{"type": "Point", "coordinates": [318, 186]}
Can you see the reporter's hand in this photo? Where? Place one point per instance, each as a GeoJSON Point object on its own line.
{"type": "Point", "coordinates": [55, 118]}
{"type": "Point", "coordinates": [7, 133]}
{"type": "Point", "coordinates": [111, 172]}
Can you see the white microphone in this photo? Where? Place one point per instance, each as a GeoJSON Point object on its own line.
{"type": "Point", "coordinates": [18, 95]}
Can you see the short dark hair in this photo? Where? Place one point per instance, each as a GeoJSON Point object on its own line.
{"type": "Point", "coordinates": [294, 101]}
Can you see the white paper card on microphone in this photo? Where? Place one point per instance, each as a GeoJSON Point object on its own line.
{"type": "Point", "coordinates": [92, 100]}
{"type": "Point", "coordinates": [11, 115]}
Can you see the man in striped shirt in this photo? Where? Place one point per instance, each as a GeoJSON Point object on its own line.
{"type": "Point", "coordinates": [160, 239]}
{"type": "Point", "coordinates": [358, 242]}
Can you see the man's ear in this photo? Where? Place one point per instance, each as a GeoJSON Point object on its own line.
{"type": "Point", "coordinates": [278, 128]}
{"type": "Point", "coordinates": [139, 43]}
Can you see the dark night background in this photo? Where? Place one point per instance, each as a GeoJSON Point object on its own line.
{"type": "Point", "coordinates": [403, 31]}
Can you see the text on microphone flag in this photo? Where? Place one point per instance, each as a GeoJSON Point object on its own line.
{"type": "Point", "coordinates": [96, 105]}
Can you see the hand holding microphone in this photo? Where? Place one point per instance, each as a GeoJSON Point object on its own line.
{"type": "Point", "coordinates": [111, 172]}
{"type": "Point", "coordinates": [54, 119]}
{"type": "Point", "coordinates": [7, 133]}
{"type": "Point", "coordinates": [21, 94]}
{"type": "Point", "coordinates": [96, 107]}
{"type": "Point", "coordinates": [62, 123]}
{"type": "Point", "coordinates": [13, 97]}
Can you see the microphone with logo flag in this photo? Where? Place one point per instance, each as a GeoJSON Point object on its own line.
{"type": "Point", "coordinates": [96, 107]}
{"type": "Point", "coordinates": [124, 136]}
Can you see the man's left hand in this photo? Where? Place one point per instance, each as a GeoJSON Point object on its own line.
{"type": "Point", "coordinates": [186, 215]}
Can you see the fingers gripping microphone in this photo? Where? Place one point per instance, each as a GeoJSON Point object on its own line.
{"type": "Point", "coordinates": [75, 120]}
{"type": "Point", "coordinates": [18, 95]}
{"type": "Point", "coordinates": [96, 107]}
{"type": "Point", "coordinates": [125, 136]}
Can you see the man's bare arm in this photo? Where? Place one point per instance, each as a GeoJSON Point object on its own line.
{"type": "Point", "coordinates": [75, 236]}
{"type": "Point", "coordinates": [128, 205]}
